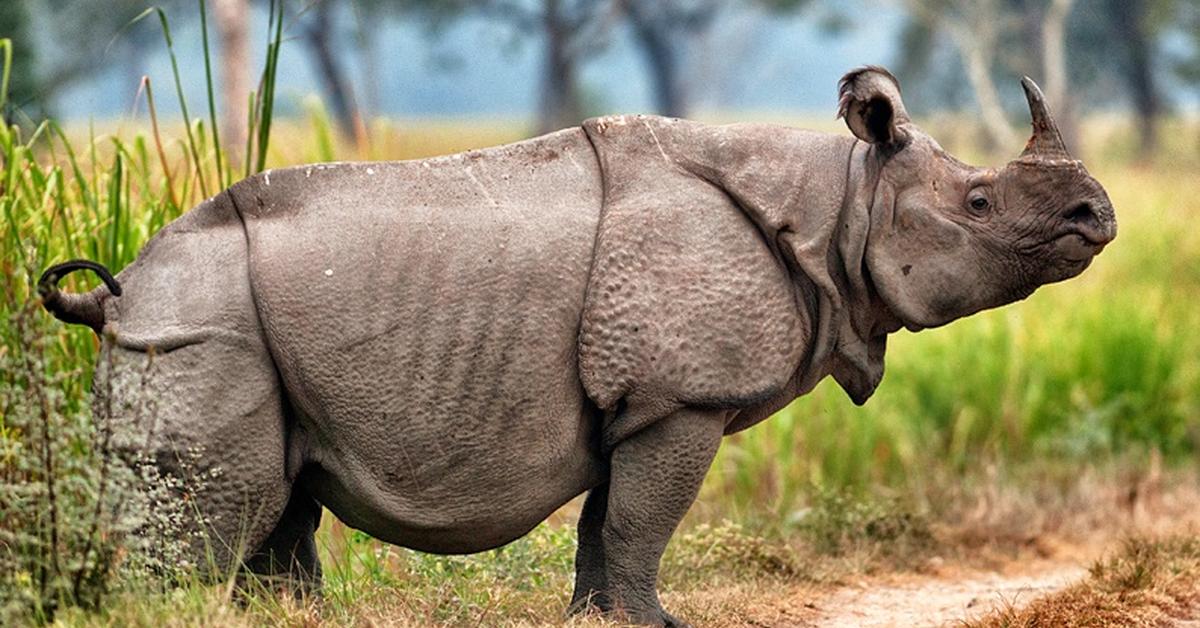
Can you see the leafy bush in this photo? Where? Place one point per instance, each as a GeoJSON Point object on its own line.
{"type": "Point", "coordinates": [730, 549]}
{"type": "Point", "coordinates": [839, 522]}
{"type": "Point", "coordinates": [78, 520]}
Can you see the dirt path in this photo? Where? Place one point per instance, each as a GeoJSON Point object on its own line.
{"type": "Point", "coordinates": [945, 598]}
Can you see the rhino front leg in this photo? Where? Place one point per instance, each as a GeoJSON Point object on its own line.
{"type": "Point", "coordinates": [655, 476]}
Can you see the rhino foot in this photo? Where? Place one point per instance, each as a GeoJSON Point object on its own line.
{"type": "Point", "coordinates": [600, 605]}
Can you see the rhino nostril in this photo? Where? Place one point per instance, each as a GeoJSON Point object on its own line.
{"type": "Point", "coordinates": [1083, 212]}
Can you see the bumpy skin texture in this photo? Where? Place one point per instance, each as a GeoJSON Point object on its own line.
{"type": "Point", "coordinates": [442, 352]}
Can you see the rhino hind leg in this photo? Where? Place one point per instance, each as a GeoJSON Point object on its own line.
{"type": "Point", "coordinates": [590, 578]}
{"type": "Point", "coordinates": [656, 474]}
{"type": "Point", "coordinates": [288, 556]}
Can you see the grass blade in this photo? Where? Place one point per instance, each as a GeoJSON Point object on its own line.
{"type": "Point", "coordinates": [212, 106]}
{"type": "Point", "coordinates": [162, 155]}
{"type": "Point", "coordinates": [7, 45]}
{"type": "Point", "coordinates": [251, 121]}
{"type": "Point", "coordinates": [191, 140]}
{"type": "Point", "coordinates": [267, 101]}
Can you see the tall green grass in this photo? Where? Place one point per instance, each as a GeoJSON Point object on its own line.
{"type": "Point", "coordinates": [67, 514]}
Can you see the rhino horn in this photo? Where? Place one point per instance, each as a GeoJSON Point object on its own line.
{"type": "Point", "coordinates": [1046, 142]}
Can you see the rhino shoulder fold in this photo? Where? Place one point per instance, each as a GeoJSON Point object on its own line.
{"type": "Point", "coordinates": [686, 304]}
{"type": "Point", "coordinates": [744, 228]}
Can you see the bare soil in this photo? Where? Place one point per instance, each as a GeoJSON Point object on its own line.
{"type": "Point", "coordinates": [947, 598]}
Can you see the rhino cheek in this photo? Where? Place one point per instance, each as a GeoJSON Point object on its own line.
{"type": "Point", "coordinates": [927, 273]}
{"type": "Point", "coordinates": [924, 294]}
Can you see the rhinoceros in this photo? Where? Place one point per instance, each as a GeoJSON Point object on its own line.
{"type": "Point", "coordinates": [443, 352]}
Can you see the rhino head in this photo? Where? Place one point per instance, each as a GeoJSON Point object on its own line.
{"type": "Point", "coordinates": [948, 239]}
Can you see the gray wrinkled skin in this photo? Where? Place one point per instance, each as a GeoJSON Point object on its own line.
{"type": "Point", "coordinates": [443, 352]}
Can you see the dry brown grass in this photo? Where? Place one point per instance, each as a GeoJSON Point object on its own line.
{"type": "Point", "coordinates": [1148, 582]}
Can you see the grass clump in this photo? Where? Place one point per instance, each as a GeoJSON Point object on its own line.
{"type": "Point", "coordinates": [365, 579]}
{"type": "Point", "coordinates": [1148, 582]}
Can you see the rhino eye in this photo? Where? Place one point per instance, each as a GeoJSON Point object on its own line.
{"type": "Point", "coordinates": [979, 204]}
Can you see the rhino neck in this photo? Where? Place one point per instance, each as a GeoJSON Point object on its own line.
{"type": "Point", "coordinates": [857, 363]}
{"type": "Point", "coordinates": [809, 194]}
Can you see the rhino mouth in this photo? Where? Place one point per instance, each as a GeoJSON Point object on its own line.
{"type": "Point", "coordinates": [1086, 233]}
{"type": "Point", "coordinates": [1077, 247]}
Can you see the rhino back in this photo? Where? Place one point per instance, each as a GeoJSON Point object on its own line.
{"type": "Point", "coordinates": [424, 317]}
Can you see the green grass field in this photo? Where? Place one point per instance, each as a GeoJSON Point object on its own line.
{"type": "Point", "coordinates": [1091, 381]}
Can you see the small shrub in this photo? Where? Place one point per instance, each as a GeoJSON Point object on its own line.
{"type": "Point", "coordinates": [839, 522]}
{"type": "Point", "coordinates": [77, 521]}
{"type": "Point", "coordinates": [732, 550]}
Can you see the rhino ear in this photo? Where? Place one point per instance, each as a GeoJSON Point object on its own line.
{"type": "Point", "coordinates": [869, 100]}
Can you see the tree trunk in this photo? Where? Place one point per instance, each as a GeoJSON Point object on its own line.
{"type": "Point", "coordinates": [318, 36]}
{"type": "Point", "coordinates": [559, 105]}
{"type": "Point", "coordinates": [233, 24]}
{"type": "Point", "coordinates": [1054, 68]}
{"type": "Point", "coordinates": [369, 22]}
{"type": "Point", "coordinates": [1130, 16]}
{"type": "Point", "coordinates": [975, 57]}
{"type": "Point", "coordinates": [974, 28]}
{"type": "Point", "coordinates": [654, 40]}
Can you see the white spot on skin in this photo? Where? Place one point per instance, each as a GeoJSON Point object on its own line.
{"type": "Point", "coordinates": [370, 170]}
{"type": "Point", "coordinates": [267, 177]}
{"type": "Point", "coordinates": [308, 172]}
{"type": "Point", "coordinates": [328, 272]}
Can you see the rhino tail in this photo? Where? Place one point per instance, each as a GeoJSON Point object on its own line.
{"type": "Point", "coordinates": [81, 309]}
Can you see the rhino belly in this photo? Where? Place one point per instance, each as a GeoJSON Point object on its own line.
{"type": "Point", "coordinates": [424, 316]}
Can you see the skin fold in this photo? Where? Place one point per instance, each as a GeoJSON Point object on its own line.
{"type": "Point", "coordinates": [443, 352]}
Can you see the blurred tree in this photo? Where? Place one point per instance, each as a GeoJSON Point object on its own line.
{"type": "Point", "coordinates": [1037, 47]}
{"type": "Point", "coordinates": [667, 32]}
{"type": "Point", "coordinates": [233, 25]}
{"type": "Point", "coordinates": [1053, 37]}
{"type": "Point", "coordinates": [570, 31]}
{"type": "Point", "coordinates": [1187, 67]}
{"type": "Point", "coordinates": [1009, 37]}
{"type": "Point", "coordinates": [318, 30]}
{"type": "Point", "coordinates": [975, 28]}
{"type": "Point", "coordinates": [1134, 26]}
{"type": "Point", "coordinates": [369, 17]}
{"type": "Point", "coordinates": [661, 30]}
{"type": "Point", "coordinates": [1105, 51]}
